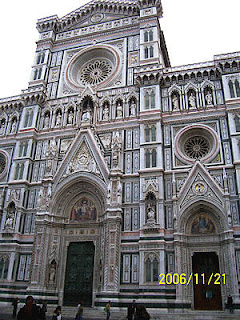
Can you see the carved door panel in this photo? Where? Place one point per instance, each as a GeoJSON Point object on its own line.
{"type": "Point", "coordinates": [79, 274]}
{"type": "Point", "coordinates": [207, 294]}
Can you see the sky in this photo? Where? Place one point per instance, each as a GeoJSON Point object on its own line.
{"type": "Point", "coordinates": [194, 30]}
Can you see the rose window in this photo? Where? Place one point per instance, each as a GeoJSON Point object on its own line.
{"type": "Point", "coordinates": [95, 66]}
{"type": "Point", "coordinates": [95, 72]}
{"type": "Point", "coordinates": [196, 147]}
{"type": "Point", "coordinates": [2, 163]}
{"type": "Point", "coordinates": [196, 142]}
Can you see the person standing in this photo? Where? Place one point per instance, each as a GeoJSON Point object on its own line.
{"type": "Point", "coordinates": [15, 305]}
{"type": "Point", "coordinates": [80, 311]}
{"type": "Point", "coordinates": [30, 311]}
{"type": "Point", "coordinates": [43, 310]}
{"type": "Point", "coordinates": [131, 310]}
{"type": "Point", "coordinates": [230, 303]}
{"type": "Point", "coordinates": [57, 315]}
{"type": "Point", "coordinates": [108, 307]}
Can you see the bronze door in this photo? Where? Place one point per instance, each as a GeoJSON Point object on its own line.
{"type": "Point", "coordinates": [79, 274]}
{"type": "Point", "coordinates": [207, 294]}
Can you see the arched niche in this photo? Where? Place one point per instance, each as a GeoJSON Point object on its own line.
{"type": "Point", "coordinates": [76, 188]}
{"type": "Point", "coordinates": [202, 218]}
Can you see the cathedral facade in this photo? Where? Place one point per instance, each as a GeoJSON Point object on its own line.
{"type": "Point", "coordinates": [120, 175]}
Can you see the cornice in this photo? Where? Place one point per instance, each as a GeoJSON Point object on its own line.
{"type": "Point", "coordinates": [124, 7]}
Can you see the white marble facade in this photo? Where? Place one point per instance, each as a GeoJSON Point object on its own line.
{"type": "Point", "coordinates": [149, 152]}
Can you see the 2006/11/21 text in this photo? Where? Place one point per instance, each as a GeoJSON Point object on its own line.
{"type": "Point", "coordinates": [214, 278]}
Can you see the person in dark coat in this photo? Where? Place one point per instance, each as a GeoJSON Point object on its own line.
{"type": "Point", "coordinates": [43, 311]}
{"type": "Point", "coordinates": [131, 310]}
{"type": "Point", "coordinates": [15, 305]}
{"type": "Point", "coordinates": [30, 311]}
{"type": "Point", "coordinates": [230, 303]}
{"type": "Point", "coordinates": [141, 313]}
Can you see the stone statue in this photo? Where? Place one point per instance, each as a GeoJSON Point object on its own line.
{"type": "Point", "coordinates": [106, 113]}
{"type": "Point", "coordinates": [208, 98]}
{"type": "Point", "coordinates": [175, 102]}
{"type": "Point", "coordinates": [14, 126]}
{"type": "Point", "coordinates": [52, 272]}
{"type": "Point", "coordinates": [70, 117]}
{"type": "Point", "coordinates": [9, 221]}
{"type": "Point", "coordinates": [40, 201]}
{"type": "Point", "coordinates": [52, 149]}
{"type": "Point", "coordinates": [58, 119]}
{"type": "Point", "coordinates": [150, 213]}
{"type": "Point", "coordinates": [109, 193]}
{"type": "Point", "coordinates": [133, 109]}
{"type": "Point", "coordinates": [2, 128]}
{"type": "Point", "coordinates": [116, 146]}
{"type": "Point", "coordinates": [46, 121]}
{"type": "Point", "coordinates": [86, 117]}
{"type": "Point", "coordinates": [119, 193]}
{"type": "Point", "coordinates": [192, 100]}
{"type": "Point", "coordinates": [119, 110]}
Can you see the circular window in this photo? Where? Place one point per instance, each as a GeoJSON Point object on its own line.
{"type": "Point", "coordinates": [196, 142]}
{"type": "Point", "coordinates": [94, 66]}
{"type": "Point", "coordinates": [95, 71]}
{"type": "Point", "coordinates": [196, 147]}
{"type": "Point", "coordinates": [3, 164]}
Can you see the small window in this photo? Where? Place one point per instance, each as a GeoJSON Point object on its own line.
{"type": "Point", "coordinates": [230, 84]}
{"type": "Point", "coordinates": [237, 88]}
{"type": "Point", "coordinates": [151, 52]}
{"type": "Point", "coordinates": [152, 272]}
{"type": "Point", "coordinates": [149, 99]}
{"type": "Point", "coordinates": [148, 159]}
{"type": "Point", "coordinates": [146, 36]}
{"type": "Point", "coordinates": [4, 268]}
{"type": "Point", "coordinates": [152, 99]}
{"type": "Point", "coordinates": [148, 270]}
{"type": "Point", "coordinates": [151, 158]}
{"type": "Point", "coordinates": [19, 171]}
{"type": "Point", "coordinates": [147, 134]}
{"type": "Point", "coordinates": [146, 53]}
{"type": "Point", "coordinates": [150, 35]}
{"type": "Point", "coordinates": [237, 123]}
{"type": "Point", "coordinates": [154, 158]}
{"type": "Point", "coordinates": [150, 133]}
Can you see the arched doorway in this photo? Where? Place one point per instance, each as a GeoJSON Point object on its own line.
{"type": "Point", "coordinates": [202, 254]}
{"type": "Point", "coordinates": [81, 205]}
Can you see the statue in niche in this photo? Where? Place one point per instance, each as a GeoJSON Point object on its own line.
{"type": "Point", "coordinates": [52, 272]}
{"type": "Point", "coordinates": [14, 126]}
{"type": "Point", "coordinates": [109, 193]}
{"type": "Point", "coordinates": [46, 121]}
{"type": "Point", "coordinates": [70, 117]}
{"type": "Point", "coordinates": [209, 98]}
{"type": "Point", "coordinates": [175, 102]}
{"type": "Point", "coordinates": [2, 128]}
{"type": "Point", "coordinates": [52, 149]}
{"type": "Point", "coordinates": [192, 100]}
{"type": "Point", "coordinates": [119, 110]}
{"type": "Point", "coordinates": [150, 213]}
{"type": "Point", "coordinates": [58, 119]}
{"type": "Point", "coordinates": [133, 109]}
{"type": "Point", "coordinates": [119, 193]}
{"type": "Point", "coordinates": [86, 117]}
{"type": "Point", "coordinates": [106, 112]}
{"type": "Point", "coordinates": [9, 223]}
{"type": "Point", "coordinates": [40, 200]}
{"type": "Point", "coordinates": [117, 146]}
